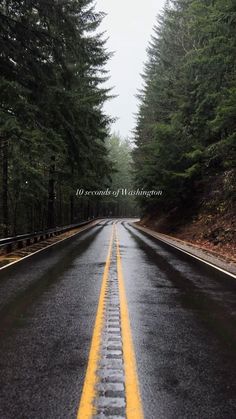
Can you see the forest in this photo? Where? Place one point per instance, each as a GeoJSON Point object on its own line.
{"type": "Point", "coordinates": [53, 127]}
{"type": "Point", "coordinates": [186, 124]}
{"type": "Point", "coordinates": [55, 135]}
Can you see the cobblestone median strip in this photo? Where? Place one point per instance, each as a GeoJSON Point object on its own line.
{"type": "Point", "coordinates": [105, 388]}
{"type": "Point", "coordinates": [110, 400]}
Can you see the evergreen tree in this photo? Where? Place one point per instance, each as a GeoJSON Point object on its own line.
{"type": "Point", "coordinates": [185, 128]}
{"type": "Point", "coordinates": [53, 127]}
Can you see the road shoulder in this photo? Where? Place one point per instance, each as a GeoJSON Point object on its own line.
{"type": "Point", "coordinates": [7, 260]}
{"type": "Point", "coordinates": [209, 257]}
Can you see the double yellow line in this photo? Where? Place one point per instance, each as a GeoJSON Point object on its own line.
{"type": "Point", "coordinates": [132, 393]}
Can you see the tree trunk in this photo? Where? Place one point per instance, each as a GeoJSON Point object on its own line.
{"type": "Point", "coordinates": [51, 195]}
{"type": "Point", "coordinates": [71, 209]}
{"type": "Point", "coordinates": [72, 202]}
{"type": "Point", "coordinates": [97, 208]}
{"type": "Point", "coordinates": [5, 208]}
{"type": "Point", "coordinates": [88, 210]}
{"type": "Point", "coordinates": [60, 206]}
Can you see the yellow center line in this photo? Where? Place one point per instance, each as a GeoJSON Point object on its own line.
{"type": "Point", "coordinates": [133, 398]}
{"type": "Point", "coordinates": [132, 394]}
{"type": "Point", "coordinates": [86, 408]}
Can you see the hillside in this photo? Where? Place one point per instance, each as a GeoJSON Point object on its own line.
{"type": "Point", "coordinates": [210, 219]}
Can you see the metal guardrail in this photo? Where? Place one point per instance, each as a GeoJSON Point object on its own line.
{"type": "Point", "coordinates": [18, 242]}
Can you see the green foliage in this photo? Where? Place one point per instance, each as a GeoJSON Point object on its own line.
{"type": "Point", "coordinates": [52, 67]}
{"type": "Point", "coordinates": [186, 121]}
{"type": "Point", "coordinates": [122, 177]}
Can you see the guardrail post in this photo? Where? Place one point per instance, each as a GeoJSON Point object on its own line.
{"type": "Point", "coordinates": [9, 248]}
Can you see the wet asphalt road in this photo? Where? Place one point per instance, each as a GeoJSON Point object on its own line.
{"type": "Point", "coordinates": [182, 318]}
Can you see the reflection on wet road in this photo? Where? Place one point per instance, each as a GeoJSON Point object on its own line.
{"type": "Point", "coordinates": [182, 318]}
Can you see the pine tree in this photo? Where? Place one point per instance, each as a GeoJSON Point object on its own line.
{"type": "Point", "coordinates": [186, 122]}
{"type": "Point", "coordinates": [52, 69]}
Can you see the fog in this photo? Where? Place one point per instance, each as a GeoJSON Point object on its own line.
{"type": "Point", "coordinates": [128, 25]}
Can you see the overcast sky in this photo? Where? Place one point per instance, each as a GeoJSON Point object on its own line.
{"type": "Point", "coordinates": [129, 26]}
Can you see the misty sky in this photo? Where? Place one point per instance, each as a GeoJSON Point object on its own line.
{"type": "Point", "coordinates": [129, 26]}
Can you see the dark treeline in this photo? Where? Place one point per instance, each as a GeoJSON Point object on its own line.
{"type": "Point", "coordinates": [53, 128]}
{"type": "Point", "coordinates": [123, 203]}
{"type": "Point", "coordinates": [186, 125]}
{"type": "Point", "coordinates": [117, 198]}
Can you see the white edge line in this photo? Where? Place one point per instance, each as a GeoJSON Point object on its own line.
{"type": "Point", "coordinates": [47, 247]}
{"type": "Point", "coordinates": [185, 251]}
